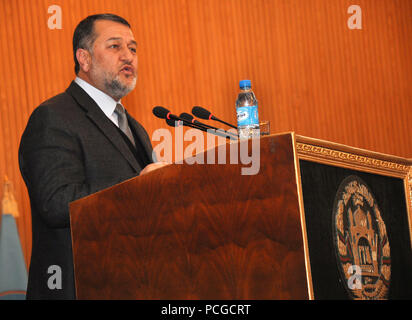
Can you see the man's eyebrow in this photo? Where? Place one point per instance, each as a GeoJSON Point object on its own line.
{"type": "Point", "coordinates": [114, 38]}
{"type": "Point", "coordinates": [118, 38]}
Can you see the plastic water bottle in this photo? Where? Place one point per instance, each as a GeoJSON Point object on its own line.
{"type": "Point", "coordinates": [247, 111]}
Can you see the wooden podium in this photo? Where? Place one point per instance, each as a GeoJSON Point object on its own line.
{"type": "Point", "coordinates": [205, 231]}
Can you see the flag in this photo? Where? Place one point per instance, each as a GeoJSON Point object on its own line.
{"type": "Point", "coordinates": [13, 272]}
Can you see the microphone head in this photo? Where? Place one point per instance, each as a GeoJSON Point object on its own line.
{"type": "Point", "coordinates": [160, 112]}
{"type": "Point", "coordinates": [186, 116]}
{"type": "Point", "coordinates": [201, 113]}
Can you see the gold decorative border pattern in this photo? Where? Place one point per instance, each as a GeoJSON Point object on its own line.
{"type": "Point", "coordinates": [350, 158]}
{"type": "Point", "coordinates": [410, 189]}
{"type": "Point", "coordinates": [327, 153]}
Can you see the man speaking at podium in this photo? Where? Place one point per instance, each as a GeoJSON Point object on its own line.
{"type": "Point", "coordinates": [79, 142]}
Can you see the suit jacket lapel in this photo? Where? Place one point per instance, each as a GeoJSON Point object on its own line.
{"type": "Point", "coordinates": [142, 136]}
{"type": "Point", "coordinates": [97, 116]}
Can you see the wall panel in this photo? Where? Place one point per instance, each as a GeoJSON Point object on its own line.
{"type": "Point", "coordinates": [311, 74]}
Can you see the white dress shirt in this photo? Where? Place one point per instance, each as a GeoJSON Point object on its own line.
{"type": "Point", "coordinates": [104, 101]}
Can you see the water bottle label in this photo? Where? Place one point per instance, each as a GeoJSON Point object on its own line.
{"type": "Point", "coordinates": [247, 116]}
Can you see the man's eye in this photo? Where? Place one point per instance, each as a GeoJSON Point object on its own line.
{"type": "Point", "coordinates": [134, 50]}
{"type": "Point", "coordinates": [114, 46]}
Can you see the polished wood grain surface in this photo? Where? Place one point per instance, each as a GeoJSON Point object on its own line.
{"type": "Point", "coordinates": [195, 232]}
{"type": "Point", "coordinates": [310, 72]}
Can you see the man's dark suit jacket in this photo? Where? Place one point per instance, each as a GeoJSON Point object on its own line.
{"type": "Point", "coordinates": [69, 150]}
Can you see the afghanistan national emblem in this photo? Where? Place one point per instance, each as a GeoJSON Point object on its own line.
{"type": "Point", "coordinates": [361, 243]}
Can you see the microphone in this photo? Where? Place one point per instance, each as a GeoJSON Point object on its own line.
{"type": "Point", "coordinates": [178, 123]}
{"type": "Point", "coordinates": [163, 113]}
{"type": "Point", "coordinates": [190, 118]}
{"type": "Point", "coordinates": [202, 113]}
{"type": "Point", "coordinates": [170, 118]}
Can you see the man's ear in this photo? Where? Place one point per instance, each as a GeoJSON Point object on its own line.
{"type": "Point", "coordinates": [84, 58]}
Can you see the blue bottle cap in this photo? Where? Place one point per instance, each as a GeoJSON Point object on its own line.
{"type": "Point", "coordinates": [245, 84]}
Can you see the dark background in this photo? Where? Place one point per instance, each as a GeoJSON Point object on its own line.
{"type": "Point", "coordinates": [320, 184]}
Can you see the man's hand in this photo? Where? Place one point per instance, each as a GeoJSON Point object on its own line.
{"type": "Point", "coordinates": [153, 166]}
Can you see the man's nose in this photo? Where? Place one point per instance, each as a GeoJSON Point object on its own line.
{"type": "Point", "coordinates": [126, 55]}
